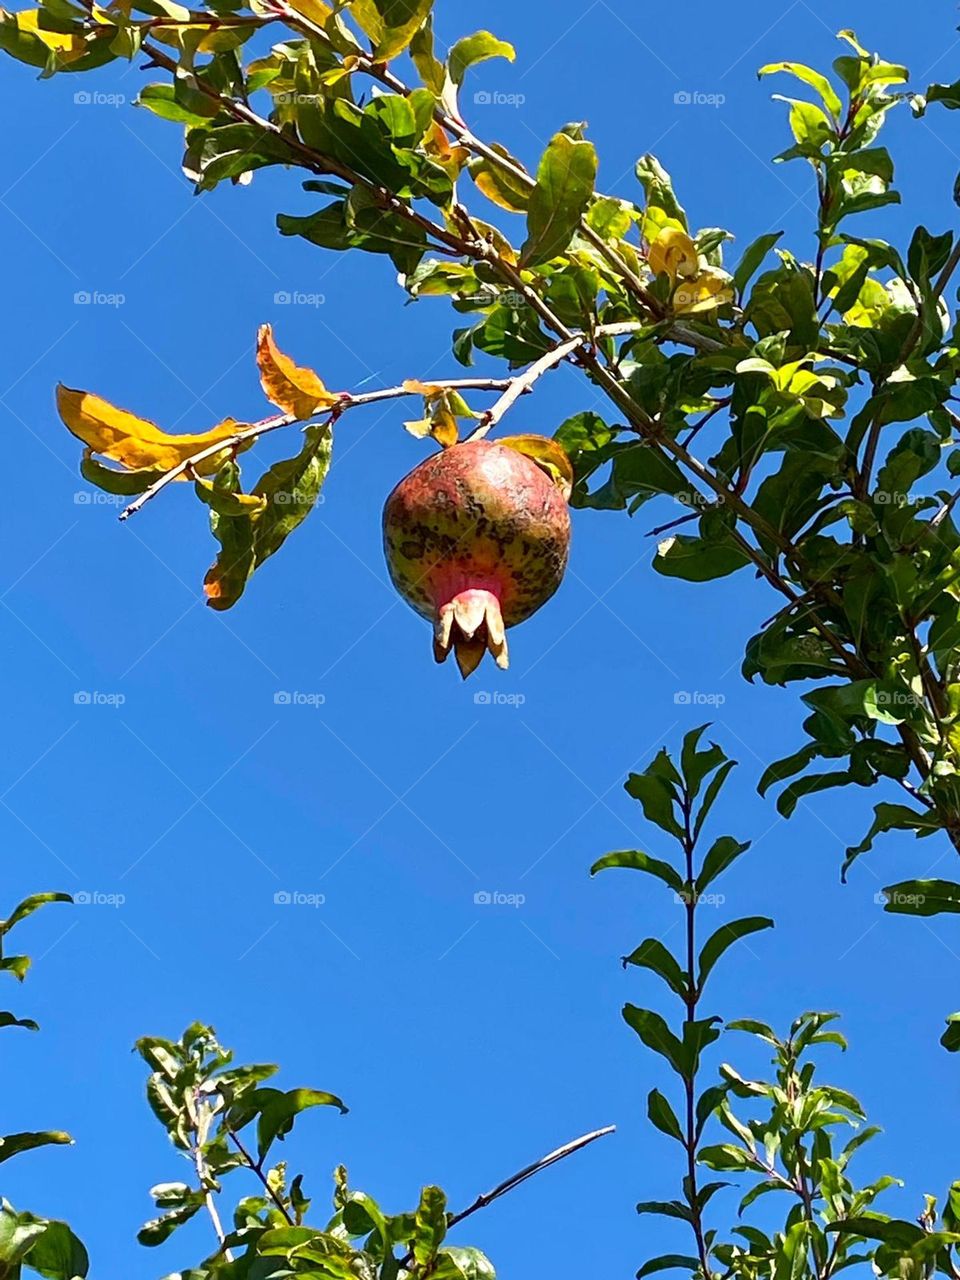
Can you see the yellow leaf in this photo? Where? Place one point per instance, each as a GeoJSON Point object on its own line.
{"type": "Point", "coordinates": [133, 441]}
{"type": "Point", "coordinates": [314, 10]}
{"type": "Point", "coordinates": [294, 390]}
{"type": "Point", "coordinates": [673, 253]}
{"type": "Point", "coordinates": [711, 289]}
{"type": "Point", "coordinates": [444, 426]}
{"type": "Point", "coordinates": [68, 45]}
{"type": "Point", "coordinates": [549, 455]}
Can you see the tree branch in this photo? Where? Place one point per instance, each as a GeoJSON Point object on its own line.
{"type": "Point", "coordinates": [348, 400]}
{"type": "Point", "coordinates": [530, 1171]}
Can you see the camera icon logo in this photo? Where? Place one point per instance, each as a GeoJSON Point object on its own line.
{"type": "Point", "coordinates": [483, 98]}
{"type": "Point", "coordinates": [81, 698]}
{"type": "Point", "coordinates": [683, 98]}
{"type": "Point", "coordinates": [281, 698]}
{"type": "Point", "coordinates": [281, 298]}
{"type": "Point", "coordinates": [682, 698]}
{"type": "Point", "coordinates": [483, 898]}
{"type": "Point", "coordinates": [282, 898]}
{"type": "Point", "coordinates": [481, 698]}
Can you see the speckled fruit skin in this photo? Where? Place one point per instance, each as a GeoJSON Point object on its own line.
{"type": "Point", "coordinates": [477, 516]}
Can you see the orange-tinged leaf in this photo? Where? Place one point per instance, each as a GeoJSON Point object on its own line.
{"type": "Point", "coordinates": [295, 390]}
{"type": "Point", "coordinates": [135, 442]}
{"type": "Point", "coordinates": [418, 388]}
{"type": "Point", "coordinates": [549, 456]}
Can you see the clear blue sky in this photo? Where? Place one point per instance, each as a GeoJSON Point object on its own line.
{"type": "Point", "coordinates": [466, 1039]}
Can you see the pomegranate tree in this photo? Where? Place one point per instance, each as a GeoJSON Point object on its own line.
{"type": "Point", "coordinates": [476, 539]}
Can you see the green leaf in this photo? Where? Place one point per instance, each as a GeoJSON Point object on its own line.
{"type": "Point", "coordinates": [9, 1020]}
{"type": "Point", "coordinates": [922, 898]}
{"type": "Point", "coordinates": [462, 1264]}
{"type": "Point", "coordinates": [58, 1254]}
{"type": "Point", "coordinates": [668, 1262]}
{"type": "Point", "coordinates": [16, 1143]}
{"type": "Point", "coordinates": [466, 53]}
{"type": "Point", "coordinates": [891, 817]}
{"type": "Point", "coordinates": [391, 24]}
{"type": "Point", "coordinates": [696, 765]}
{"type": "Point", "coordinates": [656, 799]}
{"type": "Point", "coordinates": [162, 100]}
{"type": "Point", "coordinates": [28, 906]}
{"type": "Point", "coordinates": [634, 860]}
{"type": "Point", "coordinates": [278, 1111]}
{"type": "Point", "coordinates": [17, 965]}
{"type": "Point", "coordinates": [565, 182]}
{"type": "Point", "coordinates": [901, 1235]}
{"type": "Point", "coordinates": [157, 1230]}
{"type": "Point", "coordinates": [291, 489]}
{"type": "Point", "coordinates": [652, 954]}
{"type": "Point", "coordinates": [813, 78]}
{"type": "Point", "coordinates": [724, 851]}
{"type": "Point", "coordinates": [695, 560]}
{"type": "Point", "coordinates": [662, 1115]}
{"type": "Point", "coordinates": [656, 1035]}
{"type": "Point", "coordinates": [430, 1225]}
{"type": "Point", "coordinates": [752, 259]}
{"type": "Point", "coordinates": [725, 937]}
{"type": "Point", "coordinates": [948, 95]}
{"type": "Point", "coordinates": [658, 188]}
{"type": "Point", "coordinates": [951, 1037]}
{"type": "Point", "coordinates": [227, 577]}
{"type": "Point", "coordinates": [18, 1233]}
{"type": "Point", "coordinates": [230, 151]}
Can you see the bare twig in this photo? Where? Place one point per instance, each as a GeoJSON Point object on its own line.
{"type": "Point", "coordinates": [347, 401]}
{"type": "Point", "coordinates": [524, 383]}
{"type": "Point", "coordinates": [538, 1166]}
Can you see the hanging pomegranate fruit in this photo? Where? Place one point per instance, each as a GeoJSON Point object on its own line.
{"type": "Point", "coordinates": [476, 539]}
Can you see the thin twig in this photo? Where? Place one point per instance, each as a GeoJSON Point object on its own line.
{"type": "Point", "coordinates": [524, 383]}
{"type": "Point", "coordinates": [516, 1179]}
{"type": "Point", "coordinates": [256, 1169]}
{"type": "Point", "coordinates": [347, 400]}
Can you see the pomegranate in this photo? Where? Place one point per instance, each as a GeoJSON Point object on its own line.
{"type": "Point", "coordinates": [476, 539]}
